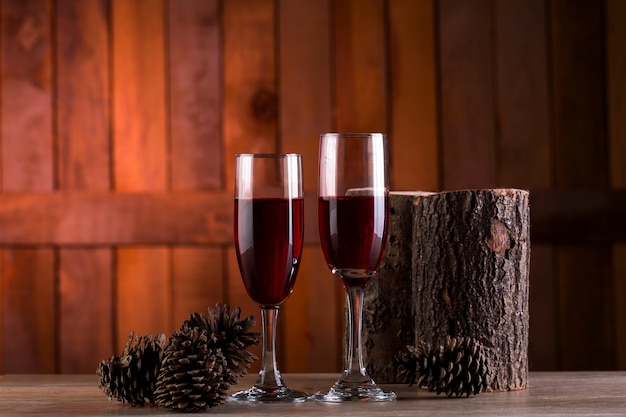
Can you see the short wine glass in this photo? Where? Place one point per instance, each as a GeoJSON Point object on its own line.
{"type": "Point", "coordinates": [269, 230]}
{"type": "Point", "coordinates": [353, 221]}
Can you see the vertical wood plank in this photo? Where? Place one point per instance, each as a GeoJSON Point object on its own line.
{"type": "Point", "coordinates": [28, 303]}
{"type": "Point", "coordinates": [197, 281]}
{"type": "Point", "coordinates": [305, 113]}
{"type": "Point", "coordinates": [413, 142]}
{"type": "Point", "coordinates": [542, 344]}
{"type": "Point", "coordinates": [619, 297]}
{"type": "Point", "coordinates": [139, 106]}
{"type": "Point", "coordinates": [466, 93]}
{"type": "Point", "coordinates": [585, 308]}
{"type": "Point", "coordinates": [305, 82]}
{"type": "Point", "coordinates": [27, 143]}
{"type": "Point", "coordinates": [195, 94]}
{"type": "Point", "coordinates": [314, 317]}
{"type": "Point", "coordinates": [616, 87]}
{"type": "Point", "coordinates": [360, 66]}
{"type": "Point", "coordinates": [86, 292]}
{"type": "Point", "coordinates": [250, 109]}
{"type": "Point", "coordinates": [86, 310]}
{"type": "Point", "coordinates": [140, 155]}
{"type": "Point", "coordinates": [83, 95]}
{"type": "Point", "coordinates": [143, 292]}
{"type": "Point", "coordinates": [28, 291]}
{"type": "Point", "coordinates": [237, 296]}
{"type": "Point", "coordinates": [196, 160]}
{"type": "Point", "coordinates": [578, 78]}
{"type": "Point", "coordinates": [522, 95]}
{"type": "Point", "coordinates": [581, 161]}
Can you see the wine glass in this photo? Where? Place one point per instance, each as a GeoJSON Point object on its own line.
{"type": "Point", "coordinates": [352, 208]}
{"type": "Point", "coordinates": [269, 229]}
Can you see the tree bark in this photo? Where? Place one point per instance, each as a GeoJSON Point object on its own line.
{"type": "Point", "coordinates": [388, 322]}
{"type": "Point", "coordinates": [469, 262]}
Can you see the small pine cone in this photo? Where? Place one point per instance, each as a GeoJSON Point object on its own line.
{"type": "Point", "coordinates": [457, 367]}
{"type": "Point", "coordinates": [131, 377]}
{"type": "Point", "coordinates": [229, 334]}
{"type": "Point", "coordinates": [192, 376]}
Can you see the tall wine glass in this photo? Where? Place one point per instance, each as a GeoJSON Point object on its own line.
{"type": "Point", "coordinates": [353, 221]}
{"type": "Point", "coordinates": [269, 229]}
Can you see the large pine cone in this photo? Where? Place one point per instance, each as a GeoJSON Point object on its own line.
{"type": "Point", "coordinates": [192, 374]}
{"type": "Point", "coordinates": [457, 367]}
{"type": "Point", "coordinates": [131, 377]}
{"type": "Point", "coordinates": [205, 356]}
{"type": "Point", "coordinates": [229, 334]}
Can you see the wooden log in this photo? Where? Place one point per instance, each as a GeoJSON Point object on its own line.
{"type": "Point", "coordinates": [388, 321]}
{"type": "Point", "coordinates": [468, 276]}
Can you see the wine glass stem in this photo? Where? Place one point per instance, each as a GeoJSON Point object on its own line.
{"type": "Point", "coordinates": [269, 376]}
{"type": "Point", "coordinates": [353, 361]}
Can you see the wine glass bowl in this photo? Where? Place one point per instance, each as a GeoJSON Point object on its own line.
{"type": "Point", "coordinates": [353, 201]}
{"type": "Point", "coordinates": [268, 232]}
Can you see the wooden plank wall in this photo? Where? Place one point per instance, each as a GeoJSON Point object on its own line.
{"type": "Point", "coordinates": [120, 119]}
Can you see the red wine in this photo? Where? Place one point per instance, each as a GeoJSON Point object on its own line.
{"type": "Point", "coordinates": [353, 232]}
{"type": "Point", "coordinates": [268, 242]}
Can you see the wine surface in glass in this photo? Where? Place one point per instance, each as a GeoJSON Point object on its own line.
{"type": "Point", "coordinates": [268, 242]}
{"type": "Point", "coordinates": [353, 230]}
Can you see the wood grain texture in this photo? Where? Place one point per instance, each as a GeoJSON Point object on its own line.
{"type": "Point", "coordinates": [194, 47]}
{"type": "Point", "coordinates": [237, 296]}
{"type": "Point", "coordinates": [616, 89]}
{"type": "Point", "coordinates": [579, 216]}
{"type": "Point", "coordinates": [312, 318]}
{"type": "Point", "coordinates": [543, 305]}
{"type": "Point", "coordinates": [103, 218]}
{"type": "Point", "coordinates": [139, 103]}
{"type": "Point", "coordinates": [616, 101]}
{"type": "Point", "coordinates": [579, 94]}
{"type": "Point", "coordinates": [305, 82]}
{"type": "Point", "coordinates": [143, 289]}
{"type": "Point", "coordinates": [250, 111]}
{"type": "Point", "coordinates": [468, 138]}
{"type": "Point", "coordinates": [29, 311]}
{"type": "Point", "coordinates": [413, 133]}
{"type": "Point", "coordinates": [26, 95]}
{"type": "Point", "coordinates": [619, 292]}
{"type": "Point", "coordinates": [555, 394]}
{"type": "Point", "coordinates": [585, 304]}
{"type": "Point", "coordinates": [140, 147]}
{"type": "Point", "coordinates": [308, 333]}
{"type": "Point", "coordinates": [360, 71]}
{"type": "Point", "coordinates": [28, 297]}
{"type": "Point", "coordinates": [250, 106]}
{"type": "Point", "coordinates": [197, 280]}
{"type": "Point", "coordinates": [86, 309]}
{"type": "Point", "coordinates": [82, 73]}
{"type": "Point", "coordinates": [522, 94]}
{"type": "Point", "coordinates": [85, 293]}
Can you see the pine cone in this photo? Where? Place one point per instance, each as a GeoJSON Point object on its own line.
{"type": "Point", "coordinates": [205, 356]}
{"type": "Point", "coordinates": [457, 367]}
{"type": "Point", "coordinates": [131, 377]}
{"type": "Point", "coordinates": [229, 334]}
{"type": "Point", "coordinates": [193, 375]}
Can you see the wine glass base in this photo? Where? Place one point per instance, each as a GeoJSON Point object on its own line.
{"type": "Point", "coordinates": [343, 391]}
{"type": "Point", "coordinates": [274, 394]}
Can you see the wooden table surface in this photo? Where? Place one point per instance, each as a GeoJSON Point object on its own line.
{"type": "Point", "coordinates": [549, 394]}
